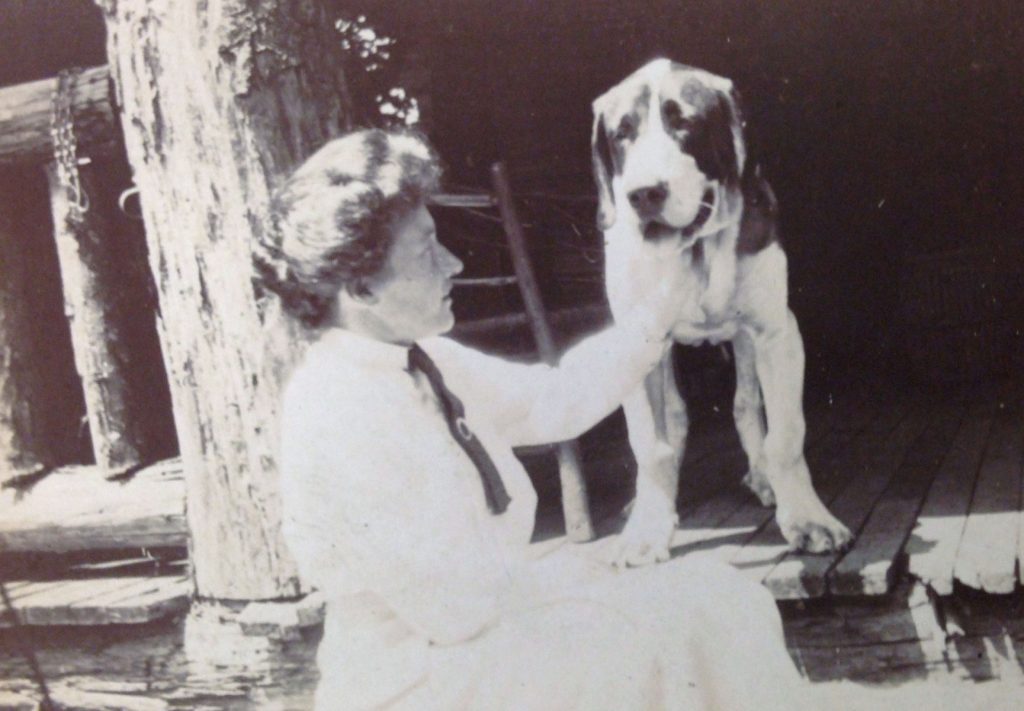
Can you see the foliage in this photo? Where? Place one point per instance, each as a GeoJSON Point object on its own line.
{"type": "Point", "coordinates": [373, 67]}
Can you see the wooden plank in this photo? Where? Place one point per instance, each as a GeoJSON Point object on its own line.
{"type": "Point", "coordinates": [76, 508]}
{"type": "Point", "coordinates": [100, 601]}
{"type": "Point", "coordinates": [25, 111]}
{"type": "Point", "coordinates": [728, 520]}
{"type": "Point", "coordinates": [766, 548]}
{"type": "Point", "coordinates": [130, 587]}
{"type": "Point", "coordinates": [172, 596]}
{"type": "Point", "coordinates": [987, 555]}
{"type": "Point", "coordinates": [33, 589]}
{"type": "Point", "coordinates": [933, 546]}
{"type": "Point", "coordinates": [968, 659]}
{"type": "Point", "coordinates": [869, 466]}
{"type": "Point", "coordinates": [869, 567]}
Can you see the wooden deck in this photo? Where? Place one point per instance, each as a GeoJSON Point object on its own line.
{"type": "Point", "coordinates": [930, 484]}
{"type": "Point", "coordinates": [97, 600]}
{"type": "Point", "coordinates": [76, 509]}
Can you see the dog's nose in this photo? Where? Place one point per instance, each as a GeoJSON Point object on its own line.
{"type": "Point", "coordinates": [649, 199]}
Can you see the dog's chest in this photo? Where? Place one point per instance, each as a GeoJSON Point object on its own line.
{"type": "Point", "coordinates": [704, 287]}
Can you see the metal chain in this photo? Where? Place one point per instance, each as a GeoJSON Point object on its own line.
{"type": "Point", "coordinates": [62, 130]}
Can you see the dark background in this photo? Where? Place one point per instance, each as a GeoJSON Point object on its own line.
{"type": "Point", "coordinates": [890, 130]}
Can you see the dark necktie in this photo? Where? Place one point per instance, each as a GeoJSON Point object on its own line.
{"type": "Point", "coordinates": [455, 414]}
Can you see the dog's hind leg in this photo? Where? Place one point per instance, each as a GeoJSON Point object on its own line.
{"type": "Point", "coordinates": [657, 423]}
{"type": "Point", "coordinates": [748, 412]}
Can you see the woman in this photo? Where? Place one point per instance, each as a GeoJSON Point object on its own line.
{"type": "Point", "coordinates": [420, 543]}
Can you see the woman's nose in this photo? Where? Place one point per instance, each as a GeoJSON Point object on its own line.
{"type": "Point", "coordinates": [452, 264]}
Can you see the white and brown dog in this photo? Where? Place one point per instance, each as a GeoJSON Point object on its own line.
{"type": "Point", "coordinates": [670, 164]}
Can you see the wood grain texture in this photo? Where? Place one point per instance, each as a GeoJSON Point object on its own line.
{"type": "Point", "coordinates": [870, 566]}
{"type": "Point", "coordinates": [77, 509]}
{"type": "Point", "coordinates": [25, 115]}
{"type": "Point", "coordinates": [87, 250]}
{"type": "Point", "coordinates": [934, 543]}
{"type": "Point", "coordinates": [222, 100]}
{"type": "Point", "coordinates": [867, 467]}
{"type": "Point", "coordinates": [987, 556]}
{"type": "Point", "coordinates": [102, 601]}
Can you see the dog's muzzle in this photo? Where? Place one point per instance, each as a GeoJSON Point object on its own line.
{"type": "Point", "coordinates": [655, 230]}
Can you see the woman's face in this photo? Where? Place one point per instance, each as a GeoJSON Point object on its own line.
{"type": "Point", "coordinates": [411, 295]}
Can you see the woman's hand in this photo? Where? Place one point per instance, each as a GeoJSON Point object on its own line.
{"type": "Point", "coordinates": [655, 287]}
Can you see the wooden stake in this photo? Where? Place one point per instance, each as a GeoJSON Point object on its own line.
{"type": "Point", "coordinates": [86, 249]}
{"type": "Point", "coordinates": [575, 507]}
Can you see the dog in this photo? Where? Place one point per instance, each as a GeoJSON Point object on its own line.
{"type": "Point", "coordinates": [669, 158]}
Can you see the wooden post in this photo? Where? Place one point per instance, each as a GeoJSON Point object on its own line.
{"type": "Point", "coordinates": [89, 266]}
{"type": "Point", "coordinates": [570, 470]}
{"type": "Point", "coordinates": [220, 100]}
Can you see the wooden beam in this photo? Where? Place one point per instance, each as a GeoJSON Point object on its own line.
{"type": "Point", "coordinates": [76, 509]}
{"type": "Point", "coordinates": [92, 278]}
{"type": "Point", "coordinates": [25, 114]}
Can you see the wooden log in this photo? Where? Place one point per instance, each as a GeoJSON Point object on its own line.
{"type": "Point", "coordinates": [575, 505]}
{"type": "Point", "coordinates": [77, 509]}
{"type": "Point", "coordinates": [219, 103]}
{"type": "Point", "coordinates": [25, 114]}
{"type": "Point", "coordinates": [93, 280]}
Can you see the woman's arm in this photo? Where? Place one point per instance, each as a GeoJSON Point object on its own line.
{"type": "Point", "coordinates": [532, 404]}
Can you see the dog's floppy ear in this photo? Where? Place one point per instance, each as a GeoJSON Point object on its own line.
{"type": "Point", "coordinates": [601, 155]}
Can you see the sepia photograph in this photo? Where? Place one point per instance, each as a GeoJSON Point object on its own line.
{"type": "Point", "coordinates": [466, 355]}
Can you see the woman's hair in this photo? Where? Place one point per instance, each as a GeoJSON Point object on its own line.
{"type": "Point", "coordinates": [334, 217]}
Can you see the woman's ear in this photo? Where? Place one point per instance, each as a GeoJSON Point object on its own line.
{"type": "Point", "coordinates": [361, 291]}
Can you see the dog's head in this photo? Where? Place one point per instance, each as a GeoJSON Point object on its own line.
{"type": "Point", "coordinates": [667, 145]}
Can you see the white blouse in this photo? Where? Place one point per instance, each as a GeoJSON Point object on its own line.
{"type": "Point", "coordinates": [385, 513]}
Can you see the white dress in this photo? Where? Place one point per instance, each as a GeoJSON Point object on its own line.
{"type": "Point", "coordinates": [435, 603]}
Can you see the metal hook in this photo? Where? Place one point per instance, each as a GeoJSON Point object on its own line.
{"type": "Point", "coordinates": [123, 199]}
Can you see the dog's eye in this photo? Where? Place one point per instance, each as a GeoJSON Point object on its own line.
{"type": "Point", "coordinates": [674, 118]}
{"type": "Point", "coordinates": [624, 132]}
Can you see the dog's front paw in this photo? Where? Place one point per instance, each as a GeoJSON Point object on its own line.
{"type": "Point", "coordinates": [646, 538]}
{"type": "Point", "coordinates": [757, 482]}
{"type": "Point", "coordinates": [813, 530]}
